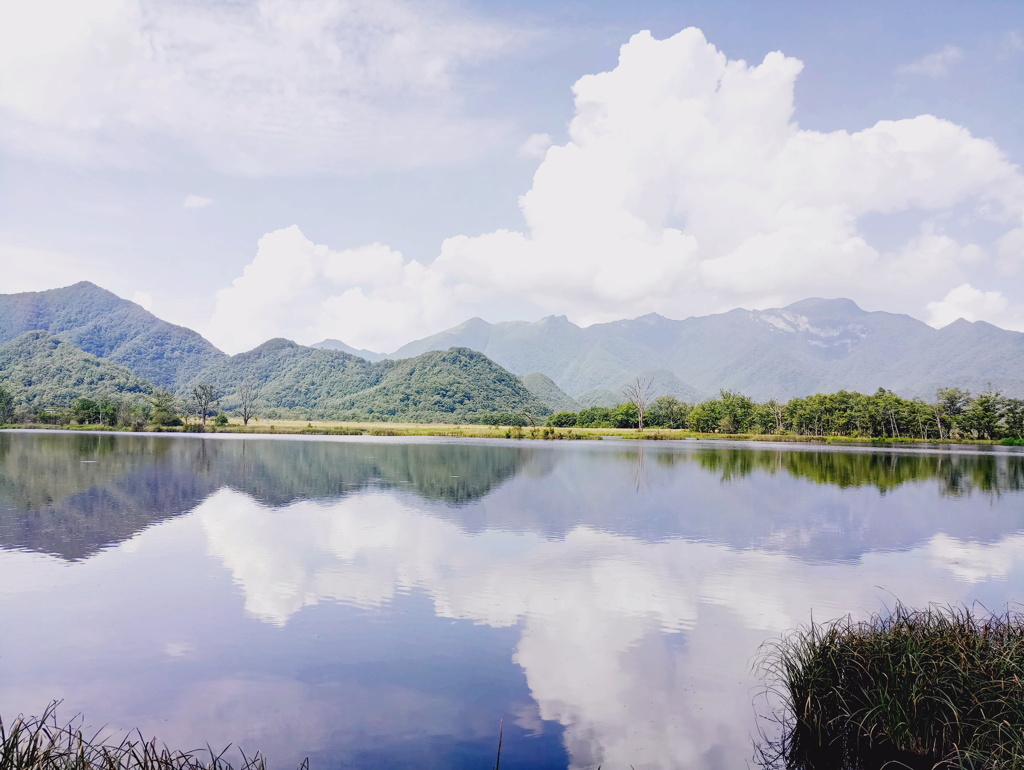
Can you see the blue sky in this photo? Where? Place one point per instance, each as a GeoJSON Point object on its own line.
{"type": "Point", "coordinates": [352, 169]}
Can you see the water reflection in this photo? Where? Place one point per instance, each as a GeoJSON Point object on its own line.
{"type": "Point", "coordinates": [384, 604]}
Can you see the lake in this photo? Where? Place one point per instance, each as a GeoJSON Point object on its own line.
{"type": "Point", "coordinates": [389, 602]}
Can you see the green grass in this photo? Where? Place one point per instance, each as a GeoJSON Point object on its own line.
{"type": "Point", "coordinates": [43, 743]}
{"type": "Point", "coordinates": [935, 688]}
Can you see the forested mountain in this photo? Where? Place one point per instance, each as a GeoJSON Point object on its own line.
{"type": "Point", "coordinates": [41, 370]}
{"type": "Point", "coordinates": [294, 377]}
{"type": "Point", "coordinates": [544, 389]}
{"type": "Point", "coordinates": [101, 323]}
{"type": "Point", "coordinates": [294, 380]}
{"type": "Point", "coordinates": [816, 345]}
{"type": "Point", "coordinates": [812, 346]}
{"type": "Point", "coordinates": [369, 355]}
{"type": "Point", "coordinates": [450, 386]}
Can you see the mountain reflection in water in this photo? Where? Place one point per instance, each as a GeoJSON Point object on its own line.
{"type": "Point", "coordinates": [387, 602]}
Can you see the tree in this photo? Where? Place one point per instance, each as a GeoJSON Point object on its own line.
{"type": "Point", "coordinates": [248, 391]}
{"type": "Point", "coordinates": [204, 395]}
{"type": "Point", "coordinates": [667, 412]}
{"type": "Point", "coordinates": [6, 406]}
{"type": "Point", "coordinates": [162, 412]}
{"type": "Point", "coordinates": [562, 420]}
{"type": "Point", "coordinates": [639, 392]}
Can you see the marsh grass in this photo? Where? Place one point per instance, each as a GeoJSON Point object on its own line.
{"type": "Point", "coordinates": [936, 688]}
{"type": "Point", "coordinates": [43, 743]}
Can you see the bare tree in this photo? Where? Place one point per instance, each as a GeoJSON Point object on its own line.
{"type": "Point", "coordinates": [204, 395]}
{"type": "Point", "coordinates": [248, 391]}
{"type": "Point", "coordinates": [639, 391]}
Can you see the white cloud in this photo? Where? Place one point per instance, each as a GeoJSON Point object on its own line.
{"type": "Point", "coordinates": [975, 305]}
{"type": "Point", "coordinates": [256, 88]}
{"type": "Point", "coordinates": [195, 202]}
{"type": "Point", "coordinates": [535, 146]}
{"type": "Point", "coordinates": [604, 663]}
{"type": "Point", "coordinates": [935, 64]}
{"type": "Point", "coordinates": [685, 188]}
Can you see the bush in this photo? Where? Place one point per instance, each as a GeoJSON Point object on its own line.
{"type": "Point", "coordinates": [928, 688]}
{"type": "Point", "coordinates": [562, 420]}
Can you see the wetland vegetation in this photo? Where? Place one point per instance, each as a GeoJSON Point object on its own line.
{"type": "Point", "coordinates": [929, 689]}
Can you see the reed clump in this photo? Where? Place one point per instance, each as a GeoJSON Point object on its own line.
{"type": "Point", "coordinates": [43, 743]}
{"type": "Point", "coordinates": [936, 688]}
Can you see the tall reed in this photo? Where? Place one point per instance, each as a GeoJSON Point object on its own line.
{"type": "Point", "coordinates": [936, 688]}
{"type": "Point", "coordinates": [43, 743]}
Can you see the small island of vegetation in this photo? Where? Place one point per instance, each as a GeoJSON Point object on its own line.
{"type": "Point", "coordinates": [931, 689]}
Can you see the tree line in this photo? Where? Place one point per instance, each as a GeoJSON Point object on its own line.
{"type": "Point", "coordinates": [954, 414]}
{"type": "Point", "coordinates": [160, 409]}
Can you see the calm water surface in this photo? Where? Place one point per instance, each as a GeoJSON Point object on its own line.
{"type": "Point", "coordinates": [387, 603]}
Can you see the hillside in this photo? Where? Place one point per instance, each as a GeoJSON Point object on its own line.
{"type": "Point", "coordinates": [101, 323]}
{"type": "Point", "coordinates": [299, 381]}
{"type": "Point", "coordinates": [447, 386]}
{"type": "Point", "coordinates": [816, 345]}
{"type": "Point", "coordinates": [43, 371]}
{"type": "Point", "coordinates": [545, 390]}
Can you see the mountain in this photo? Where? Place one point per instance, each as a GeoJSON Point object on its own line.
{"type": "Point", "coordinates": [329, 344]}
{"type": "Point", "coordinates": [44, 371]}
{"type": "Point", "coordinates": [815, 345]}
{"type": "Point", "coordinates": [446, 386]}
{"type": "Point", "coordinates": [299, 381]}
{"type": "Point", "coordinates": [101, 323]}
{"type": "Point", "coordinates": [315, 382]}
{"type": "Point", "coordinates": [544, 389]}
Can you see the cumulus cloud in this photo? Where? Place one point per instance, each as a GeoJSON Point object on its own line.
{"type": "Point", "coordinates": [935, 64]}
{"type": "Point", "coordinates": [255, 88]}
{"type": "Point", "coordinates": [648, 625]}
{"type": "Point", "coordinates": [687, 187]}
{"type": "Point", "coordinates": [535, 146]}
{"type": "Point", "coordinates": [195, 202]}
{"type": "Point", "coordinates": [972, 304]}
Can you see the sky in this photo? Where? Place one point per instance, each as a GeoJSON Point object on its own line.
{"type": "Point", "coordinates": [378, 170]}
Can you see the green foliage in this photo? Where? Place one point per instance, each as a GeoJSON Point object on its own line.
{"type": "Point", "coordinates": [43, 743]}
{"type": "Point", "coordinates": [101, 323]}
{"type": "Point", "coordinates": [446, 386]}
{"type": "Point", "coordinates": [883, 415]}
{"type": "Point", "coordinates": [542, 386]}
{"type": "Point", "coordinates": [932, 688]}
{"type": "Point", "coordinates": [221, 420]}
{"type": "Point", "coordinates": [596, 417]}
{"type": "Point", "coordinates": [562, 420]}
{"type": "Point", "coordinates": [667, 412]}
{"type": "Point", "coordinates": [6, 405]}
{"type": "Point", "coordinates": [42, 372]}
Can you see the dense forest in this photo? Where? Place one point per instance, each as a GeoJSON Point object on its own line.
{"type": "Point", "coordinates": [955, 414]}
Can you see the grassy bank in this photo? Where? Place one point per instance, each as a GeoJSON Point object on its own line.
{"type": "Point", "coordinates": [43, 743]}
{"type": "Point", "coordinates": [937, 688]}
{"type": "Point", "coordinates": [331, 428]}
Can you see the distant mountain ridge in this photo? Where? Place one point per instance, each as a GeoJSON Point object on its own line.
{"type": "Point", "coordinates": [331, 344]}
{"type": "Point", "coordinates": [815, 345]}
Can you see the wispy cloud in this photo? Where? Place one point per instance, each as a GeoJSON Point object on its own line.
{"type": "Point", "coordinates": [936, 64]}
{"type": "Point", "coordinates": [195, 202]}
{"type": "Point", "coordinates": [323, 86]}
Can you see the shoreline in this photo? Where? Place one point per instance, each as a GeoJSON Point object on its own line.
{"type": "Point", "coordinates": [538, 433]}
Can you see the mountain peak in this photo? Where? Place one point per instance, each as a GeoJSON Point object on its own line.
{"type": "Point", "coordinates": [840, 306]}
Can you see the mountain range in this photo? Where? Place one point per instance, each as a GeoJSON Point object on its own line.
{"type": "Point", "coordinates": [812, 346]}
{"type": "Point", "coordinates": [816, 345]}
